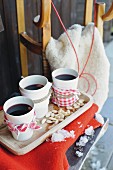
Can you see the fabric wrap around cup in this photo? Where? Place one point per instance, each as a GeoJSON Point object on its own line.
{"type": "Point", "coordinates": [65, 92]}
{"type": "Point", "coordinates": [19, 125]}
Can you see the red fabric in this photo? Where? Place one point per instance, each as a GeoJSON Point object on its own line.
{"type": "Point", "coordinates": [63, 97]}
{"type": "Point", "coordinates": [50, 156]}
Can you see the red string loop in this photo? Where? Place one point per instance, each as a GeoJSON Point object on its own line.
{"type": "Point", "coordinates": [95, 81]}
{"type": "Point", "coordinates": [87, 82]}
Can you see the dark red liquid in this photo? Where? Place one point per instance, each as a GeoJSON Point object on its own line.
{"type": "Point", "coordinates": [65, 77]}
{"type": "Point", "coordinates": [19, 109]}
{"type": "Point", "coordinates": [34, 87]}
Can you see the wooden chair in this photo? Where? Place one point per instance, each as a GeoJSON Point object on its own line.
{"type": "Point", "coordinates": [44, 23]}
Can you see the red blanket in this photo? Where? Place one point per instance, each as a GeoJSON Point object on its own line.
{"type": "Point", "coordinates": [50, 156]}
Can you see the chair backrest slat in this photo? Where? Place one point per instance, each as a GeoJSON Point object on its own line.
{"type": "Point", "coordinates": [100, 11]}
{"type": "Point", "coordinates": [21, 28]}
{"type": "Point", "coordinates": [88, 11]}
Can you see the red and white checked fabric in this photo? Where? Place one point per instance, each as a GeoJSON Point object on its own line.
{"type": "Point", "coordinates": [63, 97]}
{"type": "Point", "coordinates": [22, 127]}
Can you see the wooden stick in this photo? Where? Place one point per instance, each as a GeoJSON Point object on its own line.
{"type": "Point", "coordinates": [109, 15]}
{"type": "Point", "coordinates": [100, 9]}
{"type": "Point", "coordinates": [88, 11]}
{"type": "Point", "coordinates": [46, 31]}
{"type": "Point", "coordinates": [46, 34]}
{"type": "Point", "coordinates": [45, 13]}
{"type": "Point", "coordinates": [31, 44]}
{"type": "Point", "coordinates": [45, 23]}
{"type": "Point", "coordinates": [21, 28]}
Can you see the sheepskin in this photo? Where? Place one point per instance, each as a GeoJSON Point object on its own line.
{"type": "Point", "coordinates": [60, 54]}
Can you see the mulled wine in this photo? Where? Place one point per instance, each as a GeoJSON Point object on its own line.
{"type": "Point", "coordinates": [34, 87]}
{"type": "Point", "coordinates": [65, 77]}
{"type": "Point", "coordinates": [19, 109]}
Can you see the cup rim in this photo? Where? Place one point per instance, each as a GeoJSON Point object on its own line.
{"type": "Point", "coordinates": [31, 91]}
{"type": "Point", "coordinates": [5, 110]}
{"type": "Point", "coordinates": [54, 76]}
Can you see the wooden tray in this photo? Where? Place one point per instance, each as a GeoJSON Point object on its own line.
{"type": "Point", "coordinates": [21, 148]}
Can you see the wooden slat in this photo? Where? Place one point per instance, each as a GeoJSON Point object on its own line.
{"type": "Point", "coordinates": [100, 9]}
{"type": "Point", "coordinates": [31, 44]}
{"type": "Point", "coordinates": [45, 38]}
{"type": "Point", "coordinates": [88, 11]}
{"type": "Point", "coordinates": [45, 23]}
{"type": "Point", "coordinates": [109, 15]}
{"type": "Point", "coordinates": [45, 13]}
{"type": "Point", "coordinates": [46, 35]}
{"type": "Point", "coordinates": [21, 28]}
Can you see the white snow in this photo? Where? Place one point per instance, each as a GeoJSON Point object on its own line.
{"type": "Point", "coordinates": [60, 135]}
{"type": "Point", "coordinates": [79, 154]}
{"type": "Point", "coordinates": [99, 118]}
{"type": "Point", "coordinates": [89, 131]}
{"type": "Point", "coordinates": [82, 142]}
{"type": "Point", "coordinates": [36, 19]}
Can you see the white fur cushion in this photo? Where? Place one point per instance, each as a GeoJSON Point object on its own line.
{"type": "Point", "coordinates": [60, 54]}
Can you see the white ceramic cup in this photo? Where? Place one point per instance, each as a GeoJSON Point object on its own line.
{"type": "Point", "coordinates": [41, 108]}
{"type": "Point", "coordinates": [18, 120]}
{"type": "Point", "coordinates": [65, 84]}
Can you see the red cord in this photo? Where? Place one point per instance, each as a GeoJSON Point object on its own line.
{"type": "Point", "coordinates": [91, 47]}
{"type": "Point", "coordinates": [96, 85]}
{"type": "Point", "coordinates": [87, 82]}
{"type": "Point", "coordinates": [66, 34]}
{"type": "Point", "coordinates": [93, 37]}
